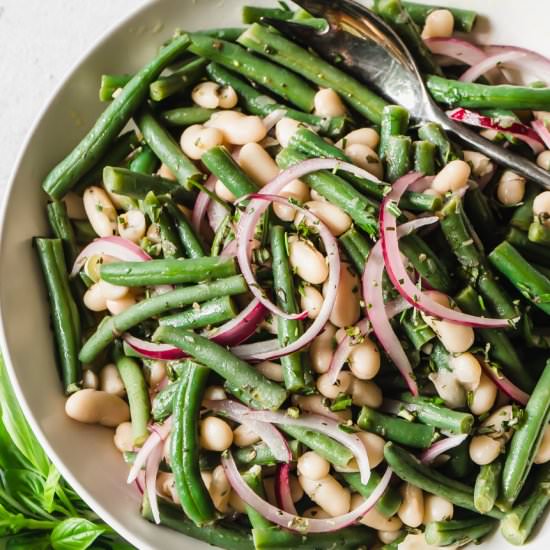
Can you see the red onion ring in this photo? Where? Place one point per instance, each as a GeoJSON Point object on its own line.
{"type": "Point", "coordinates": [505, 385]}
{"type": "Point", "coordinates": [283, 493]}
{"type": "Point", "coordinates": [270, 120]}
{"type": "Point", "coordinates": [201, 204]}
{"type": "Point", "coordinates": [538, 63]}
{"type": "Point", "coordinates": [292, 521]}
{"type": "Point", "coordinates": [542, 131]}
{"type": "Point", "coordinates": [456, 48]}
{"type": "Point", "coordinates": [490, 62]}
{"type": "Point", "coordinates": [151, 471]}
{"type": "Point", "coordinates": [440, 447]}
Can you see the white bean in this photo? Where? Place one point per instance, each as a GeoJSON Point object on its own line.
{"type": "Point", "coordinates": [448, 388]}
{"type": "Point", "coordinates": [364, 136]}
{"type": "Point", "coordinates": [223, 192]}
{"type": "Point", "coordinates": [122, 304]}
{"type": "Point", "coordinates": [374, 444]}
{"type": "Point", "coordinates": [220, 490]}
{"type": "Point", "coordinates": [541, 207]}
{"type": "Point", "coordinates": [90, 379]}
{"type": "Point", "coordinates": [316, 404]}
{"type": "Point", "coordinates": [228, 97]}
{"type": "Point", "coordinates": [214, 393]}
{"type": "Point", "coordinates": [499, 423]}
{"type": "Point", "coordinates": [153, 233]}
{"type": "Point", "coordinates": [484, 449]}
{"type": "Point", "coordinates": [237, 128]}
{"type": "Point", "coordinates": [438, 24]}
{"type": "Point", "coordinates": [437, 508]}
{"type": "Point", "coordinates": [543, 160]}
{"type": "Point", "coordinates": [418, 542]}
{"type": "Point", "coordinates": [364, 359]}
{"type": "Point", "coordinates": [196, 140]}
{"type": "Point", "coordinates": [466, 369]}
{"type": "Point", "coordinates": [313, 466]}
{"type": "Point", "coordinates": [237, 503]}
{"type": "Point", "coordinates": [315, 512]}
{"type": "Point", "coordinates": [124, 437]}
{"type": "Point", "coordinates": [257, 164]}
{"type": "Point", "coordinates": [273, 371]}
{"type": "Point", "coordinates": [322, 349]}
{"type": "Point", "coordinates": [100, 211]}
{"type": "Point", "coordinates": [480, 164]}
{"type": "Point", "coordinates": [94, 299]}
{"type": "Point", "coordinates": [157, 373]}
{"type": "Point", "coordinates": [484, 396]}
{"type": "Point", "coordinates": [452, 177]}
{"type": "Point", "coordinates": [373, 518]}
{"type": "Point", "coordinates": [411, 511]}
{"type": "Point", "coordinates": [244, 436]}
{"type": "Point", "coordinates": [112, 292]}
{"type": "Point", "coordinates": [511, 188]}
{"type": "Point", "coordinates": [308, 263]}
{"type": "Point", "coordinates": [132, 226]}
{"type": "Point", "coordinates": [365, 393]}
{"type": "Point", "coordinates": [328, 493]}
{"type": "Point", "coordinates": [331, 215]}
{"type": "Point", "coordinates": [542, 115]}
{"type": "Point", "coordinates": [164, 482]}
{"type": "Point", "coordinates": [215, 434]}
{"type": "Point", "coordinates": [543, 452]}
{"type": "Point", "coordinates": [347, 308]}
{"type": "Point", "coordinates": [166, 173]}
{"type": "Point", "coordinates": [365, 157]}
{"type": "Point", "coordinates": [387, 537]}
{"type": "Point", "coordinates": [332, 391]}
{"type": "Point", "coordinates": [206, 94]}
{"type": "Point", "coordinates": [269, 488]}
{"type": "Point", "coordinates": [296, 190]}
{"type": "Point", "coordinates": [285, 129]}
{"type": "Point", "coordinates": [97, 407]}
{"type": "Point", "coordinates": [110, 380]}
{"type": "Point", "coordinates": [328, 103]}
{"type": "Point", "coordinates": [75, 206]}
{"type": "Point", "coordinates": [311, 300]}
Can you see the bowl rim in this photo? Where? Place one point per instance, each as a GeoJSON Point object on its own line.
{"type": "Point", "coordinates": [65, 472]}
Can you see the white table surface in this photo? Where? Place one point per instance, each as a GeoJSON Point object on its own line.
{"type": "Point", "coordinates": [40, 40]}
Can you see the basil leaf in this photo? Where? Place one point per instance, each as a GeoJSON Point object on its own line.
{"type": "Point", "coordinates": [75, 534]}
{"type": "Point", "coordinates": [27, 488]}
{"type": "Point", "coordinates": [50, 487]}
{"type": "Point", "coordinates": [29, 541]}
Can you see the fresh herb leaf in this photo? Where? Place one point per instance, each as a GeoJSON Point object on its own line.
{"type": "Point", "coordinates": [76, 534]}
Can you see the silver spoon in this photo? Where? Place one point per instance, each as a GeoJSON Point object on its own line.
{"type": "Point", "coordinates": [362, 43]}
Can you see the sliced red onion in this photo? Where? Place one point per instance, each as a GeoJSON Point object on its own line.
{"type": "Point", "coordinates": [151, 471]}
{"type": "Point", "coordinates": [422, 184]}
{"type": "Point", "coordinates": [292, 521]}
{"type": "Point", "coordinates": [201, 204]}
{"type": "Point", "coordinates": [542, 131]}
{"type": "Point", "coordinates": [140, 482]}
{"type": "Point", "coordinates": [216, 213]}
{"type": "Point", "coordinates": [516, 129]}
{"type": "Point", "coordinates": [272, 118]}
{"type": "Point", "coordinates": [460, 50]}
{"type": "Point", "coordinates": [230, 249]}
{"type": "Point", "coordinates": [150, 350]}
{"type": "Point", "coordinates": [268, 433]}
{"type": "Point", "coordinates": [283, 494]}
{"type": "Point", "coordinates": [117, 247]}
{"type": "Point", "coordinates": [442, 446]}
{"type": "Point", "coordinates": [401, 279]}
{"type": "Point", "coordinates": [505, 385]}
{"type": "Point", "coordinates": [490, 62]}
{"type": "Point", "coordinates": [322, 424]}
{"type": "Point", "coordinates": [532, 61]}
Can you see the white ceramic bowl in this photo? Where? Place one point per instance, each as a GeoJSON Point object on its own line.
{"type": "Point", "coordinates": [85, 455]}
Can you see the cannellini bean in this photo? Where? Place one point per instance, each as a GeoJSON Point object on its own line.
{"type": "Point", "coordinates": [437, 508]}
{"type": "Point", "coordinates": [220, 490]}
{"type": "Point", "coordinates": [311, 300]}
{"type": "Point", "coordinates": [466, 369]}
{"type": "Point", "coordinates": [543, 453]}
{"type": "Point", "coordinates": [364, 136]}
{"type": "Point", "coordinates": [296, 190]}
{"type": "Point", "coordinates": [237, 503]}
{"type": "Point", "coordinates": [157, 373]}
{"type": "Point", "coordinates": [124, 437]}
{"type": "Point", "coordinates": [110, 380]}
{"type": "Point", "coordinates": [498, 424]}
{"type": "Point", "coordinates": [244, 436]}
{"type": "Point", "coordinates": [97, 407]}
{"type": "Point", "coordinates": [452, 177]}
{"type": "Point", "coordinates": [328, 103]}
{"type": "Point", "coordinates": [315, 512]}
{"type": "Point", "coordinates": [316, 196]}
{"type": "Point", "coordinates": [411, 511]}
{"type": "Point", "coordinates": [223, 192]}
{"type": "Point", "coordinates": [269, 488]}
{"type": "Point", "coordinates": [153, 233]}
{"type": "Point", "coordinates": [316, 404]}
{"type": "Point", "coordinates": [543, 160]}
{"type": "Point", "coordinates": [257, 164]}
{"type": "Point", "coordinates": [364, 359]}
{"type": "Point", "coordinates": [484, 396]}
{"type": "Point", "coordinates": [480, 164]}
{"type": "Point", "coordinates": [100, 211]}
{"type": "Point", "coordinates": [122, 304]}
{"type": "Point", "coordinates": [166, 173]}
{"type": "Point", "coordinates": [322, 349]}
{"type": "Point", "coordinates": [196, 140]}
{"type": "Point", "coordinates": [331, 215]}
{"type": "Point", "coordinates": [418, 542]}
{"type": "Point", "coordinates": [308, 263]}
{"type": "Point", "coordinates": [94, 299]}
{"type": "Point", "coordinates": [332, 391]}
{"type": "Point", "coordinates": [166, 451]}
{"type": "Point", "coordinates": [215, 434]}
{"type": "Point", "coordinates": [374, 445]}
{"type": "Point", "coordinates": [206, 94]}
{"type": "Point", "coordinates": [285, 129]}
{"type": "Point", "coordinates": [112, 292]}
{"type": "Point", "coordinates": [75, 206]}
{"type": "Point", "coordinates": [364, 157]}
{"type": "Point", "coordinates": [542, 115]}
{"type": "Point", "coordinates": [131, 225]}
{"type": "Point", "coordinates": [214, 393]}
{"type": "Point", "coordinates": [448, 388]}
{"type": "Point", "coordinates": [90, 379]}
{"type": "Point", "coordinates": [237, 128]}
{"type": "Point", "coordinates": [228, 97]}
{"type": "Point", "coordinates": [511, 188]}
{"type": "Point", "coordinates": [387, 537]}
{"type": "Point", "coordinates": [373, 518]}
{"type": "Point", "coordinates": [484, 449]}
{"type": "Point", "coordinates": [347, 308]}
{"type": "Point", "coordinates": [313, 466]}
{"type": "Point", "coordinates": [489, 134]}
{"type": "Point", "coordinates": [206, 477]}
{"type": "Point", "coordinates": [365, 392]}
{"type": "Point", "coordinates": [328, 493]}
{"type": "Point", "coordinates": [541, 207]}
{"type": "Point", "coordinates": [273, 371]}
{"type": "Point", "coordinates": [439, 24]}
{"type": "Point", "coordinates": [164, 482]}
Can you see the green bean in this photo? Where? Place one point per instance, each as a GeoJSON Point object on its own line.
{"type": "Point", "coordinates": [398, 157]}
{"type": "Point", "coordinates": [110, 327]}
{"type": "Point", "coordinates": [539, 233]}
{"type": "Point", "coordinates": [64, 313]}
{"type": "Point", "coordinates": [180, 80]}
{"type": "Point", "coordinates": [464, 19]}
{"type": "Point", "coordinates": [478, 210]}
{"type": "Point", "coordinates": [254, 14]}
{"type": "Point", "coordinates": [257, 103]}
{"type": "Point", "coordinates": [260, 454]}
{"type": "Point", "coordinates": [163, 403]}
{"type": "Point", "coordinates": [98, 140]}
{"type": "Point", "coordinates": [219, 162]}
{"type": "Point", "coordinates": [83, 231]}
{"type": "Point", "coordinates": [395, 122]}
{"type": "Point", "coordinates": [253, 478]}
{"type": "Point", "coordinates": [389, 502]}
{"type": "Point", "coordinates": [532, 251]}
{"type": "Point", "coordinates": [283, 51]}
{"type": "Point", "coordinates": [416, 329]}
{"type": "Point", "coordinates": [424, 157]}
{"type": "Point", "coordinates": [297, 378]}
{"type": "Point", "coordinates": [110, 83]}
{"type": "Point", "coordinates": [167, 150]}
{"type": "Point", "coordinates": [138, 397]}
{"type": "Point", "coordinates": [144, 161]}
{"type": "Point", "coordinates": [280, 81]}
{"type": "Point", "coordinates": [459, 465]}
{"type": "Point", "coordinates": [223, 33]}
{"type": "Point", "coordinates": [526, 439]}
{"type": "Point", "coordinates": [186, 116]}
{"type": "Point", "coordinates": [251, 386]}
{"type": "Point", "coordinates": [358, 259]}
{"type": "Point", "coordinates": [410, 469]}
{"type": "Point", "coordinates": [518, 524]}
{"type": "Point", "coordinates": [395, 15]}
{"type": "Point", "coordinates": [523, 214]}
{"type": "Point", "coordinates": [213, 312]}
{"type": "Point", "coordinates": [459, 532]}
{"type": "Point", "coordinates": [487, 486]}
{"type": "Point", "coordinates": [433, 133]}
{"type": "Point", "coordinates": [63, 229]}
